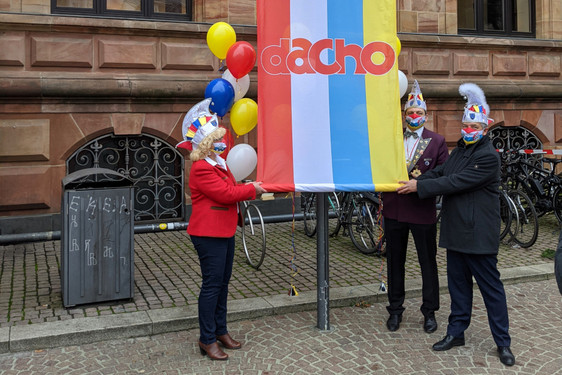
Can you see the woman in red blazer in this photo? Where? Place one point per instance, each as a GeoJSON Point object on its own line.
{"type": "Point", "coordinates": [212, 225]}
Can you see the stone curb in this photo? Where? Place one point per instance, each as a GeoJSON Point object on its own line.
{"type": "Point", "coordinates": [146, 323]}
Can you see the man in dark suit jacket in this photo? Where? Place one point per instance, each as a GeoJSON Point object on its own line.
{"type": "Point", "coordinates": [425, 150]}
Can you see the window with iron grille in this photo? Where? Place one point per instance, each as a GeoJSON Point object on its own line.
{"type": "Point", "coordinates": [154, 166]}
{"type": "Point", "coordinates": [149, 9]}
{"type": "Point", "coordinates": [515, 138]}
{"type": "Point", "coordinates": [497, 17]}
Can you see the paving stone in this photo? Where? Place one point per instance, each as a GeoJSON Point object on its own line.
{"type": "Point", "coordinates": [167, 280]}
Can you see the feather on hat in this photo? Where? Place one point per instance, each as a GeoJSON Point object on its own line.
{"type": "Point", "coordinates": [476, 108]}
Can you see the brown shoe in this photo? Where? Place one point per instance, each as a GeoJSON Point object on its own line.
{"type": "Point", "coordinates": [213, 351]}
{"type": "Point", "coordinates": [228, 342]}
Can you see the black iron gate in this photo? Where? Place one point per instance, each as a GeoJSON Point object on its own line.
{"type": "Point", "coordinates": [155, 167]}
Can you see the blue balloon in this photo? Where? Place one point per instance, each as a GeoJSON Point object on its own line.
{"type": "Point", "coordinates": [221, 93]}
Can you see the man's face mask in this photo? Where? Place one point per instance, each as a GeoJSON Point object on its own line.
{"type": "Point", "coordinates": [415, 121]}
{"type": "Point", "coordinates": [470, 135]}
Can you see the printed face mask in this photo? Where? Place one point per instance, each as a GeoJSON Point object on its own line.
{"type": "Point", "coordinates": [415, 121]}
{"type": "Point", "coordinates": [470, 135]}
{"type": "Point", "coordinates": [219, 147]}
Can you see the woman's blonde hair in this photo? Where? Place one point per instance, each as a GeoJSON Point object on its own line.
{"type": "Point", "coordinates": [206, 146]}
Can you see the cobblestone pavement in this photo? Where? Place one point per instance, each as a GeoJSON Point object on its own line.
{"type": "Point", "coordinates": [167, 271]}
{"type": "Point", "coordinates": [357, 343]}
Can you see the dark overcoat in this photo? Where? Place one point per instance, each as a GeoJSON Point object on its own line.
{"type": "Point", "coordinates": [469, 182]}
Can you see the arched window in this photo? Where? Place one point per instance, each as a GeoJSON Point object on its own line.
{"type": "Point", "coordinates": [155, 167]}
{"type": "Point", "coordinates": [515, 138]}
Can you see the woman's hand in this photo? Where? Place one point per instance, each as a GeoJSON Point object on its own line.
{"type": "Point", "coordinates": [259, 189]}
{"type": "Point", "coordinates": [407, 187]}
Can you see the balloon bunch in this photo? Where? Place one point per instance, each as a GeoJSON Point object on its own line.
{"type": "Point", "coordinates": [402, 79]}
{"type": "Point", "coordinates": [227, 94]}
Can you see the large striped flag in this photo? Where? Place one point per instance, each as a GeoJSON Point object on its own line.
{"type": "Point", "coordinates": [328, 96]}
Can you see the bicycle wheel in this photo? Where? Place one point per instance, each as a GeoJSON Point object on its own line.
{"type": "Point", "coordinates": [253, 236]}
{"type": "Point", "coordinates": [507, 211]}
{"type": "Point", "coordinates": [364, 228]}
{"type": "Point", "coordinates": [309, 213]}
{"type": "Point", "coordinates": [334, 214]}
{"type": "Point", "coordinates": [557, 203]}
{"type": "Point", "coordinates": [528, 229]}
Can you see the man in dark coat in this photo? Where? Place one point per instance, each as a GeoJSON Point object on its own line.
{"type": "Point", "coordinates": [424, 150]}
{"type": "Point", "coordinates": [470, 225]}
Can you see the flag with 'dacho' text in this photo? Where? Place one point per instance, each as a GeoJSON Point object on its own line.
{"type": "Point", "coordinates": [328, 95]}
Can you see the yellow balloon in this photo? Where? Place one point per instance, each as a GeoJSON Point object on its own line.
{"type": "Point", "coordinates": [220, 37]}
{"type": "Point", "coordinates": [244, 116]}
{"type": "Point", "coordinates": [398, 46]}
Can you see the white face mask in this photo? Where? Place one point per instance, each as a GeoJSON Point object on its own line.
{"type": "Point", "coordinates": [219, 147]}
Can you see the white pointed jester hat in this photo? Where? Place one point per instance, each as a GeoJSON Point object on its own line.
{"type": "Point", "coordinates": [415, 98]}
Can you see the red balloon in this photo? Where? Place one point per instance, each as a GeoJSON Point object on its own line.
{"type": "Point", "coordinates": [240, 59]}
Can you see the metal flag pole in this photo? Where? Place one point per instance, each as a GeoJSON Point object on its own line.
{"type": "Point", "coordinates": [322, 266]}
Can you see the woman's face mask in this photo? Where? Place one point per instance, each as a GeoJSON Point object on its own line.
{"type": "Point", "coordinates": [219, 147]}
{"type": "Point", "coordinates": [415, 121]}
{"type": "Point", "coordinates": [470, 135]}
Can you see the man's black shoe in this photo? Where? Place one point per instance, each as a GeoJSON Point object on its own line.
{"type": "Point", "coordinates": [447, 343]}
{"type": "Point", "coordinates": [430, 324]}
{"type": "Point", "coordinates": [393, 322]}
{"type": "Point", "coordinates": [506, 356]}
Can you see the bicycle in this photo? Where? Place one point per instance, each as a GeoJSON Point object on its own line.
{"type": "Point", "coordinates": [516, 187]}
{"type": "Point", "coordinates": [542, 186]}
{"type": "Point", "coordinates": [308, 205]}
{"type": "Point", "coordinates": [253, 234]}
{"type": "Point", "coordinates": [526, 228]}
{"type": "Point", "coordinates": [358, 213]}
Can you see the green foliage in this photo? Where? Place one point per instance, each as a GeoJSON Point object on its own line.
{"type": "Point", "coordinates": [548, 253]}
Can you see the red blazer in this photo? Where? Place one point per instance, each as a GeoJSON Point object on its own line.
{"type": "Point", "coordinates": [214, 197]}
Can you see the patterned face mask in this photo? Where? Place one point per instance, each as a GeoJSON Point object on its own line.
{"type": "Point", "coordinates": [470, 135]}
{"type": "Point", "coordinates": [219, 147]}
{"type": "Point", "coordinates": [415, 121]}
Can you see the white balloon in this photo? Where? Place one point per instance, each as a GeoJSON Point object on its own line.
{"type": "Point", "coordinates": [403, 83]}
{"type": "Point", "coordinates": [242, 160]}
{"type": "Point", "coordinates": [241, 85]}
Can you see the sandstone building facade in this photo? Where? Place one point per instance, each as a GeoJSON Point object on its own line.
{"type": "Point", "coordinates": [77, 85]}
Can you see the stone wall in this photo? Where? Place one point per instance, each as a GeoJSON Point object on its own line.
{"type": "Point", "coordinates": [413, 16]}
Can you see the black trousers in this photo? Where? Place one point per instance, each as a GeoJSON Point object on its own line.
{"type": "Point", "coordinates": [216, 256]}
{"type": "Point", "coordinates": [460, 269]}
{"type": "Point", "coordinates": [425, 235]}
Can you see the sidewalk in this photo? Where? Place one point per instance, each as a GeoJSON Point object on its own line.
{"type": "Point", "coordinates": [167, 279]}
{"type": "Point", "coordinates": [357, 343]}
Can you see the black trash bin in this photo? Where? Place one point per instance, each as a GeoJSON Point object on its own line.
{"type": "Point", "coordinates": [97, 245]}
